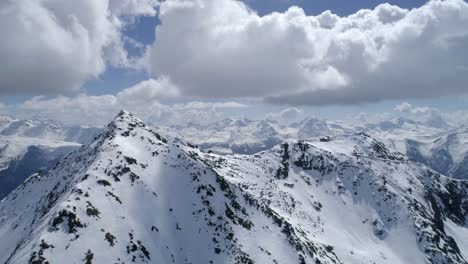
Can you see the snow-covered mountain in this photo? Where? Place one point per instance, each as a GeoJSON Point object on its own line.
{"type": "Point", "coordinates": [20, 157]}
{"type": "Point", "coordinates": [428, 139]}
{"type": "Point", "coordinates": [312, 128]}
{"type": "Point", "coordinates": [27, 146]}
{"type": "Point", "coordinates": [245, 136]}
{"type": "Point", "coordinates": [242, 136]}
{"type": "Point", "coordinates": [135, 196]}
{"type": "Point", "coordinates": [444, 149]}
{"type": "Point", "coordinates": [47, 129]}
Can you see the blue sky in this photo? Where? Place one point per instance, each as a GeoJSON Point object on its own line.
{"type": "Point", "coordinates": [315, 7]}
{"type": "Point", "coordinates": [315, 62]}
{"type": "Point", "coordinates": [144, 31]}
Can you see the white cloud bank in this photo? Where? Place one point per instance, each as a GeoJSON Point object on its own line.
{"type": "Point", "coordinates": [143, 100]}
{"type": "Point", "coordinates": [222, 49]}
{"type": "Point", "coordinates": [57, 45]}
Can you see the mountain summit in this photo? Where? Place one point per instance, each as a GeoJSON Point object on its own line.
{"type": "Point", "coordinates": [132, 196]}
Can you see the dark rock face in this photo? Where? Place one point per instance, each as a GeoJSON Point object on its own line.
{"type": "Point", "coordinates": [283, 171]}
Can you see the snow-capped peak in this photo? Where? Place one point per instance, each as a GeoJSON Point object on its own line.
{"type": "Point", "coordinates": [133, 196]}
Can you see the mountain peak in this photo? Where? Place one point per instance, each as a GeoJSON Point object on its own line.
{"type": "Point", "coordinates": [124, 112]}
{"type": "Point", "coordinates": [133, 197]}
{"type": "Point", "coordinates": [126, 124]}
{"type": "Point", "coordinates": [125, 121]}
{"type": "Point", "coordinates": [126, 117]}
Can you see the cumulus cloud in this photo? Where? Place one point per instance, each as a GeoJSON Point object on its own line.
{"type": "Point", "coordinates": [403, 107]}
{"type": "Point", "coordinates": [290, 113]}
{"type": "Point", "coordinates": [149, 90]}
{"type": "Point", "coordinates": [287, 115]}
{"type": "Point", "coordinates": [142, 99]}
{"type": "Point", "coordinates": [214, 105]}
{"type": "Point", "coordinates": [223, 49]}
{"type": "Point", "coordinates": [56, 45]}
{"type": "Point", "coordinates": [133, 7]}
{"type": "Point", "coordinates": [407, 108]}
{"type": "Point", "coordinates": [81, 109]}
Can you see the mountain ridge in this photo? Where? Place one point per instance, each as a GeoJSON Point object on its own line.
{"type": "Point", "coordinates": [151, 199]}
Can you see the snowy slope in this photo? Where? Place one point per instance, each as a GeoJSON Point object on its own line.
{"type": "Point", "coordinates": [242, 136]}
{"type": "Point", "coordinates": [20, 157]}
{"type": "Point", "coordinates": [245, 136]}
{"type": "Point", "coordinates": [444, 150]}
{"type": "Point", "coordinates": [133, 196]}
{"type": "Point", "coordinates": [27, 146]}
{"type": "Point", "coordinates": [427, 139]}
{"type": "Point", "coordinates": [47, 129]}
{"type": "Point", "coordinates": [12, 148]}
{"type": "Point", "coordinates": [370, 204]}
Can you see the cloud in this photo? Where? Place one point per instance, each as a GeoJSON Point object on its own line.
{"type": "Point", "coordinates": [403, 107]}
{"type": "Point", "coordinates": [408, 108]}
{"type": "Point", "coordinates": [149, 90]}
{"type": "Point", "coordinates": [214, 105]}
{"type": "Point", "coordinates": [56, 45]}
{"type": "Point", "coordinates": [133, 7]}
{"type": "Point", "coordinates": [287, 115]}
{"type": "Point", "coordinates": [223, 49]}
{"type": "Point", "coordinates": [80, 109]}
{"type": "Point", "coordinates": [290, 113]}
{"type": "Point", "coordinates": [143, 100]}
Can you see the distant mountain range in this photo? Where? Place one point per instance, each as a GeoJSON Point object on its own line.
{"type": "Point", "coordinates": [135, 195]}
{"type": "Point", "coordinates": [431, 140]}
{"type": "Point", "coordinates": [27, 146]}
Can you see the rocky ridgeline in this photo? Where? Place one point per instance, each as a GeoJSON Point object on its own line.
{"type": "Point", "coordinates": [134, 197]}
